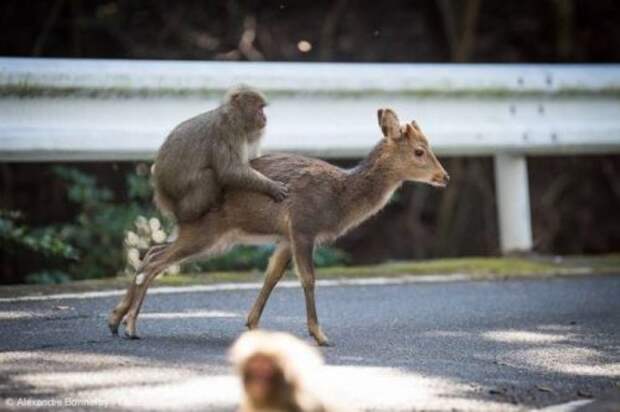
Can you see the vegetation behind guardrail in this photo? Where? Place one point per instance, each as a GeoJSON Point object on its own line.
{"type": "Point", "coordinates": [75, 218]}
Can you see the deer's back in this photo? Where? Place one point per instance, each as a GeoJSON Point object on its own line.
{"type": "Point", "coordinates": [313, 204]}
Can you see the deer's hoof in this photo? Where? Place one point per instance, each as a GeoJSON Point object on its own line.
{"type": "Point", "coordinates": [113, 325]}
{"type": "Point", "coordinates": [320, 338]}
{"type": "Point", "coordinates": [325, 343]}
{"type": "Point", "coordinates": [131, 336]}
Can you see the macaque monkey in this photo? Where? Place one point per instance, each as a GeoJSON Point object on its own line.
{"type": "Point", "coordinates": [274, 368]}
{"type": "Point", "coordinates": [210, 152]}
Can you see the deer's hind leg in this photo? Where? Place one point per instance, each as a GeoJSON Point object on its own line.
{"type": "Point", "coordinates": [154, 252]}
{"type": "Point", "coordinates": [119, 312]}
{"type": "Point", "coordinates": [180, 250]}
{"type": "Point", "coordinates": [303, 247]}
{"type": "Point", "coordinates": [275, 270]}
{"type": "Point", "coordinates": [193, 240]}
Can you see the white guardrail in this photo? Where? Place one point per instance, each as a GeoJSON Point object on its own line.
{"type": "Point", "coordinates": [94, 110]}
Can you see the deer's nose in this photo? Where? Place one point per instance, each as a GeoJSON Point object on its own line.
{"type": "Point", "coordinates": [446, 178]}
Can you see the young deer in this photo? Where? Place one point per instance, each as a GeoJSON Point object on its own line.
{"type": "Point", "coordinates": [324, 202]}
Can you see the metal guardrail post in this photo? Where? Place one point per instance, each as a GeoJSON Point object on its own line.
{"type": "Point", "coordinates": [513, 203]}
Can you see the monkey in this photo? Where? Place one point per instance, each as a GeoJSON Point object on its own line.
{"type": "Point", "coordinates": [210, 152]}
{"type": "Point", "coordinates": [275, 368]}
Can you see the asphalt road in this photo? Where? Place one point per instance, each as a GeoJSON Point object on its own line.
{"type": "Point", "coordinates": [500, 345]}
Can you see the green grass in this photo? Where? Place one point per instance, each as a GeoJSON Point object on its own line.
{"type": "Point", "coordinates": [474, 267]}
{"type": "Point", "coordinates": [470, 266]}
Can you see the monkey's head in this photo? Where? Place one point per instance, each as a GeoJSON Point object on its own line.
{"type": "Point", "coordinates": [263, 380]}
{"type": "Point", "coordinates": [248, 103]}
{"type": "Point", "coordinates": [274, 369]}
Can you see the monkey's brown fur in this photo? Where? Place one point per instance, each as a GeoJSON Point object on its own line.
{"type": "Point", "coordinates": [210, 151]}
{"type": "Point", "coordinates": [324, 202]}
{"type": "Point", "coordinates": [277, 370]}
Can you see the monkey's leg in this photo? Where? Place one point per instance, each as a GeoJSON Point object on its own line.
{"type": "Point", "coordinates": [202, 194]}
{"type": "Point", "coordinates": [277, 266]}
{"type": "Point", "coordinates": [302, 255]}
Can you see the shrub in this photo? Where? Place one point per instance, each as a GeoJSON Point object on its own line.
{"type": "Point", "coordinates": [106, 236]}
{"type": "Point", "coordinates": [145, 234]}
{"type": "Point", "coordinates": [43, 244]}
{"type": "Point", "coordinates": [98, 229]}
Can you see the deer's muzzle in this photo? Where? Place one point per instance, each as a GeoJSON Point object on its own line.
{"type": "Point", "coordinates": [440, 180]}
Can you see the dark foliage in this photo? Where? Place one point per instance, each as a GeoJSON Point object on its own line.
{"type": "Point", "coordinates": [341, 30]}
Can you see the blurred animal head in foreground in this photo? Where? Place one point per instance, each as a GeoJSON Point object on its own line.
{"type": "Point", "coordinates": [275, 369]}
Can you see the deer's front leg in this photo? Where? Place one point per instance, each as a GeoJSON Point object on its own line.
{"type": "Point", "coordinates": [277, 266]}
{"type": "Point", "coordinates": [302, 255]}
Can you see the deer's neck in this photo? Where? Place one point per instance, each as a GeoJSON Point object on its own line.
{"type": "Point", "coordinates": [368, 187]}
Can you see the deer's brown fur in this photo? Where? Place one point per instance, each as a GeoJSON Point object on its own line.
{"type": "Point", "coordinates": [324, 202]}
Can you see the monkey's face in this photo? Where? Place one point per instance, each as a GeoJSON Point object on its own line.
{"type": "Point", "coordinates": [258, 113]}
{"type": "Point", "coordinates": [262, 379]}
{"type": "Point", "coordinates": [251, 106]}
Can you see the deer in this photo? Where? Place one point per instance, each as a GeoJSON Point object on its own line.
{"type": "Point", "coordinates": [324, 202]}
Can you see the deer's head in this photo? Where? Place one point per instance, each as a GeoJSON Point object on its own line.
{"type": "Point", "coordinates": [408, 151]}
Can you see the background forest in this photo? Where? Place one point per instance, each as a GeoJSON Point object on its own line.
{"type": "Point", "coordinates": [65, 221]}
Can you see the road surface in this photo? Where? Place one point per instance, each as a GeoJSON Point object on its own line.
{"type": "Point", "coordinates": [465, 345]}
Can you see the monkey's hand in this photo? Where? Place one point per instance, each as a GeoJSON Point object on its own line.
{"type": "Point", "coordinates": [279, 191]}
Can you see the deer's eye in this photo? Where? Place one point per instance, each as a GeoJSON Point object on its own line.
{"type": "Point", "coordinates": [418, 152]}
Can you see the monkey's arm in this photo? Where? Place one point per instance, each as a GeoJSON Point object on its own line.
{"type": "Point", "coordinates": [233, 172]}
{"type": "Point", "coordinates": [244, 177]}
{"type": "Point", "coordinates": [253, 150]}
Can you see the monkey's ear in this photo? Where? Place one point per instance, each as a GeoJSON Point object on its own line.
{"type": "Point", "coordinates": [234, 97]}
{"type": "Point", "coordinates": [388, 121]}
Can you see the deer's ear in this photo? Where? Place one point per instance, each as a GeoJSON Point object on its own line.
{"type": "Point", "coordinates": [388, 121]}
{"type": "Point", "coordinates": [413, 131]}
{"type": "Point", "coordinates": [410, 131]}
